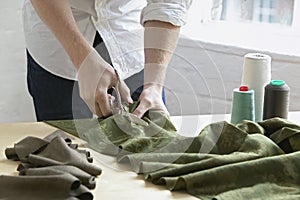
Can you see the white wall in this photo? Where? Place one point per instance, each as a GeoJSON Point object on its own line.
{"type": "Point", "coordinates": [201, 77]}
{"type": "Point", "coordinates": [15, 103]}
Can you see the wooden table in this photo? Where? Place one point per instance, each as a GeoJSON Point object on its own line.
{"type": "Point", "coordinates": [116, 180]}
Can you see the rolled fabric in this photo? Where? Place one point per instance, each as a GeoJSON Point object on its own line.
{"type": "Point", "coordinates": [64, 172]}
{"type": "Point", "coordinates": [60, 186]}
{"type": "Point", "coordinates": [23, 148]}
{"type": "Point", "coordinates": [41, 153]}
{"type": "Point", "coordinates": [85, 178]}
{"type": "Point", "coordinates": [58, 152]}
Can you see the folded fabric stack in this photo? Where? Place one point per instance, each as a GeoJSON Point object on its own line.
{"type": "Point", "coordinates": [250, 160]}
{"type": "Point", "coordinates": [50, 168]}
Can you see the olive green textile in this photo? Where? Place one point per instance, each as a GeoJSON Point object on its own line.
{"type": "Point", "coordinates": [50, 168]}
{"type": "Point", "coordinates": [250, 160]}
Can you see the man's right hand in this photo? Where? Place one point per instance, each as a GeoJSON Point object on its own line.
{"type": "Point", "coordinates": [95, 77]}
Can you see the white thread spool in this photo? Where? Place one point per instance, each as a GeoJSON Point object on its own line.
{"type": "Point", "coordinates": [256, 75]}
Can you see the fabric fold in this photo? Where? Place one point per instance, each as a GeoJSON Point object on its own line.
{"type": "Point", "coordinates": [25, 147]}
{"type": "Point", "coordinates": [85, 178]}
{"type": "Point", "coordinates": [60, 186]}
{"type": "Point", "coordinates": [50, 168]}
{"type": "Point", "coordinates": [58, 152]}
{"type": "Point", "coordinates": [223, 160]}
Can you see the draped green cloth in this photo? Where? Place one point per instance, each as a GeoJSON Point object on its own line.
{"type": "Point", "coordinates": [250, 160]}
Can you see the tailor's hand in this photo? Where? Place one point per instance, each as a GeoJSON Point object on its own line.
{"type": "Point", "coordinates": [95, 77]}
{"type": "Point", "coordinates": [151, 99]}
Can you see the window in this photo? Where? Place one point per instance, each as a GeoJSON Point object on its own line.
{"type": "Point", "coordinates": [266, 25]}
{"type": "Point", "coordinates": [267, 11]}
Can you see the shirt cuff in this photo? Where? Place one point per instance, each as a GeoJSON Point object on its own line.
{"type": "Point", "coordinates": [166, 11]}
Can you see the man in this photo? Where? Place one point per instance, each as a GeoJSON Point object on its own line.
{"type": "Point", "coordinates": [59, 39]}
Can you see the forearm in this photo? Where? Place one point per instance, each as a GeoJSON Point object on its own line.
{"type": "Point", "coordinates": [160, 43]}
{"type": "Point", "coordinates": [57, 15]}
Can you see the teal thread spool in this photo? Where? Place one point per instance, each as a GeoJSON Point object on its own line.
{"type": "Point", "coordinates": [242, 105]}
{"type": "Point", "coordinates": [276, 100]}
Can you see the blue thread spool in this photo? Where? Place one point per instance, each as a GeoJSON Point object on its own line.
{"type": "Point", "coordinates": [242, 105]}
{"type": "Point", "coordinates": [276, 100]}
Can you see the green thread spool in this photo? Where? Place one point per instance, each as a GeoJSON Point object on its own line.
{"type": "Point", "coordinates": [242, 105]}
{"type": "Point", "coordinates": [276, 100]}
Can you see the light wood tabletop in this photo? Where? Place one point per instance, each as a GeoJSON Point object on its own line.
{"type": "Point", "coordinates": [116, 180]}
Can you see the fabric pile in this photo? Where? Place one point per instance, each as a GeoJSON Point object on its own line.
{"type": "Point", "coordinates": [50, 168]}
{"type": "Point", "coordinates": [245, 161]}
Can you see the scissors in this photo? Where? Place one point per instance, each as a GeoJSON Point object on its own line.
{"type": "Point", "coordinates": [118, 108]}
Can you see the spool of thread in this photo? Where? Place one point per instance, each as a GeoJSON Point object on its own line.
{"type": "Point", "coordinates": [276, 100]}
{"type": "Point", "coordinates": [242, 105]}
{"type": "Point", "coordinates": [256, 75]}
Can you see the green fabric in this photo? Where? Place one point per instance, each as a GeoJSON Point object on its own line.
{"type": "Point", "coordinates": [249, 160]}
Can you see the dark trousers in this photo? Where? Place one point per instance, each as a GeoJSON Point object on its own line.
{"type": "Point", "coordinates": [56, 98]}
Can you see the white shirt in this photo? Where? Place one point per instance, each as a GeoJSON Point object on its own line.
{"type": "Point", "coordinates": [119, 22]}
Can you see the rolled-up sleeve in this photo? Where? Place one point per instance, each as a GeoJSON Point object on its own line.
{"type": "Point", "coordinates": [172, 11]}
